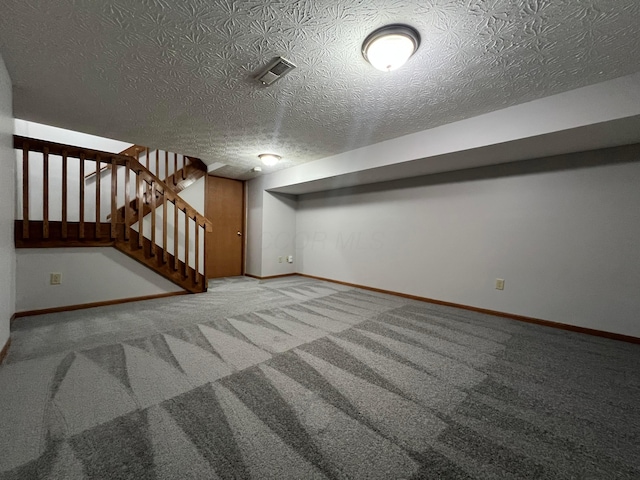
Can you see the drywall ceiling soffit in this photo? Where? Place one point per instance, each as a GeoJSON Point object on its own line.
{"type": "Point", "coordinates": [589, 138]}
{"type": "Point", "coordinates": [178, 75]}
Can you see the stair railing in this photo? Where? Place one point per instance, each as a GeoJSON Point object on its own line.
{"type": "Point", "coordinates": [149, 188]}
{"type": "Point", "coordinates": [169, 167]}
{"type": "Point", "coordinates": [119, 188]}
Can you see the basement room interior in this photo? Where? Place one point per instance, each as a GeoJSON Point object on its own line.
{"type": "Point", "coordinates": [319, 239]}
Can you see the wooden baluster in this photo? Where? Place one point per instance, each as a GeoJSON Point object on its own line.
{"type": "Point", "coordinates": [157, 172]}
{"type": "Point", "coordinates": [25, 190]}
{"type": "Point", "coordinates": [166, 166]}
{"type": "Point", "coordinates": [165, 254]}
{"type": "Point", "coordinates": [176, 233]}
{"type": "Point", "coordinates": [140, 210]}
{"type": "Point", "coordinates": [153, 218]}
{"type": "Point", "coordinates": [204, 256]}
{"type": "Point", "coordinates": [186, 243]}
{"type": "Point", "coordinates": [175, 167]}
{"type": "Point", "coordinates": [98, 188]}
{"type": "Point", "coordinates": [64, 194]}
{"type": "Point", "coordinates": [184, 167]}
{"type": "Point", "coordinates": [197, 265]}
{"type": "Point", "coordinates": [114, 198]}
{"type": "Point", "coordinates": [127, 201]}
{"type": "Point", "coordinates": [147, 158]}
{"type": "Point", "coordinates": [81, 224]}
{"type": "Point", "coordinates": [45, 193]}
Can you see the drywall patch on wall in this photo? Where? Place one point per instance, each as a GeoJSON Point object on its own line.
{"type": "Point", "coordinates": [561, 231]}
{"type": "Point", "coordinates": [7, 202]}
{"type": "Point", "coordinates": [90, 274]}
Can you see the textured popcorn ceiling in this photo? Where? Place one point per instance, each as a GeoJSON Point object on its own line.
{"type": "Point", "coordinates": [178, 74]}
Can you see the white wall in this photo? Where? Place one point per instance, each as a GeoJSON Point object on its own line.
{"type": "Point", "coordinates": [564, 239]}
{"type": "Point", "coordinates": [253, 255]}
{"type": "Point", "coordinates": [90, 274]}
{"type": "Point", "coordinates": [278, 233]}
{"type": "Point", "coordinates": [194, 195]}
{"type": "Point", "coordinates": [271, 229]}
{"type": "Point", "coordinates": [7, 202]}
{"type": "Point", "coordinates": [596, 116]}
{"type": "Point", "coordinates": [563, 232]}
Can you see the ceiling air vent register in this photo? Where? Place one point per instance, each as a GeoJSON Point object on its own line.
{"type": "Point", "coordinates": [277, 69]}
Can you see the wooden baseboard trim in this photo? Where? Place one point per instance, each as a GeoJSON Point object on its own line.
{"type": "Point", "coordinates": [272, 276]}
{"type": "Point", "coordinates": [69, 308]}
{"type": "Point", "coordinates": [5, 350]}
{"type": "Point", "coordinates": [512, 316]}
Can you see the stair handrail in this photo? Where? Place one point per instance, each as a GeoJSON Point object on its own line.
{"type": "Point", "coordinates": [135, 150]}
{"type": "Point", "coordinates": [53, 148]}
{"type": "Point", "coordinates": [172, 196]}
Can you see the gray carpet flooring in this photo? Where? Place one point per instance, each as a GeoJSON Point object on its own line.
{"type": "Point", "coordinates": [297, 378]}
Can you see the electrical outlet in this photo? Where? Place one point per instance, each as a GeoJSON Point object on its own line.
{"type": "Point", "coordinates": [279, 259]}
{"type": "Point", "coordinates": [55, 278]}
{"type": "Point", "coordinates": [290, 259]}
{"type": "Point", "coordinates": [499, 283]}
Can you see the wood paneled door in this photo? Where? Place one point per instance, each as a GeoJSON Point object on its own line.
{"type": "Point", "coordinates": [225, 209]}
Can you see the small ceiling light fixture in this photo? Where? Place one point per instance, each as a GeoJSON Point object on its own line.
{"type": "Point", "coordinates": [389, 47]}
{"type": "Point", "coordinates": [269, 159]}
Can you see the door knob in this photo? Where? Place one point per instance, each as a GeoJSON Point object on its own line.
{"type": "Point", "coordinates": [239, 234]}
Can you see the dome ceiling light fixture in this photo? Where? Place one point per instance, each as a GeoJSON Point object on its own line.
{"type": "Point", "coordinates": [389, 47]}
{"type": "Point", "coordinates": [269, 159]}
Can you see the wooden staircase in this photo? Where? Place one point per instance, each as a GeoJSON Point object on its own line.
{"type": "Point", "coordinates": [132, 188]}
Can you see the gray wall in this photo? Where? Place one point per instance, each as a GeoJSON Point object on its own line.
{"type": "Point", "coordinates": [563, 232]}
{"type": "Point", "coordinates": [7, 202]}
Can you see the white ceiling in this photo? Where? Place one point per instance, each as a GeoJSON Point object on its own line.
{"type": "Point", "coordinates": [178, 75]}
